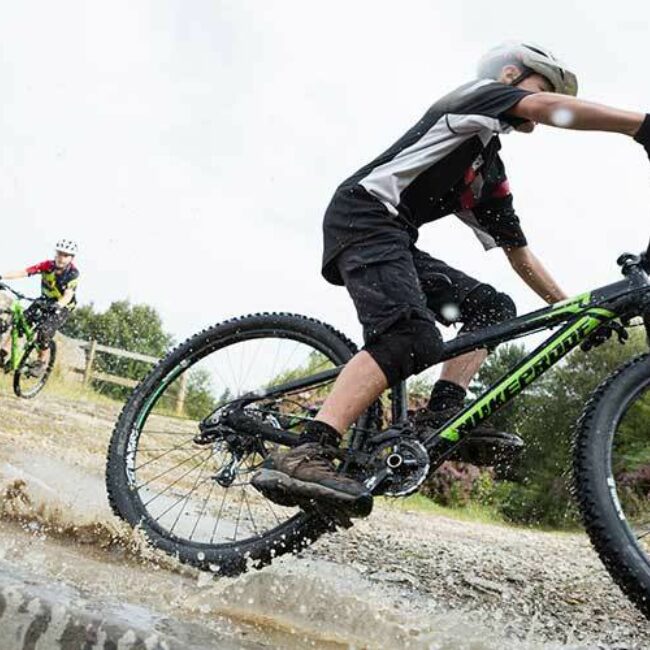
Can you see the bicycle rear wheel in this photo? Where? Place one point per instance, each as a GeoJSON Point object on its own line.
{"type": "Point", "coordinates": [612, 477]}
{"type": "Point", "coordinates": [194, 500]}
{"type": "Point", "coordinates": [27, 381]}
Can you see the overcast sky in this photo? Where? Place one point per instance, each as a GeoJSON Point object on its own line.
{"type": "Point", "coordinates": [192, 146]}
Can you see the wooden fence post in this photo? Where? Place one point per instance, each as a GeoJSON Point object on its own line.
{"type": "Point", "coordinates": [88, 373]}
{"type": "Point", "coordinates": [182, 392]}
{"type": "Point", "coordinates": [93, 348]}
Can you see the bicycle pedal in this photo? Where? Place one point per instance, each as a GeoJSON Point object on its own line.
{"type": "Point", "coordinates": [337, 516]}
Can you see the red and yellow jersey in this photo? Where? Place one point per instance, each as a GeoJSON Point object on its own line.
{"type": "Point", "coordinates": [54, 283]}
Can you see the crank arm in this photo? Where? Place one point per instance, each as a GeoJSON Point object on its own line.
{"type": "Point", "coordinates": [375, 481]}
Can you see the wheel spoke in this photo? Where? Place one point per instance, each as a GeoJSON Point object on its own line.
{"type": "Point", "coordinates": [275, 358]}
{"type": "Point", "coordinates": [266, 501]}
{"type": "Point", "coordinates": [241, 503]}
{"type": "Point", "coordinates": [252, 361]}
{"type": "Point", "coordinates": [630, 468]}
{"type": "Point", "coordinates": [218, 519]}
{"type": "Point", "coordinates": [187, 496]}
{"type": "Point", "coordinates": [167, 432]}
{"type": "Point", "coordinates": [169, 451]}
{"type": "Point", "coordinates": [177, 484]}
{"type": "Point", "coordinates": [290, 358]}
{"type": "Point", "coordinates": [180, 478]}
{"type": "Point", "coordinates": [232, 374]}
{"type": "Point", "coordinates": [250, 514]}
{"type": "Point", "coordinates": [180, 498]}
{"type": "Point", "coordinates": [205, 503]}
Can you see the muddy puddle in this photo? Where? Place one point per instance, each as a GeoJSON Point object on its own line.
{"type": "Point", "coordinates": [57, 524]}
{"type": "Point", "coordinates": [364, 588]}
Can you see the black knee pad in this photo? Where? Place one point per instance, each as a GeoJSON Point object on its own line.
{"type": "Point", "coordinates": [406, 348]}
{"type": "Point", "coordinates": [485, 306]}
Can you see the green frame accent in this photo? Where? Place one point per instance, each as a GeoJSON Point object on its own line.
{"type": "Point", "coordinates": [576, 317]}
{"type": "Point", "coordinates": [19, 327]}
{"type": "Point", "coordinates": [153, 398]}
{"type": "Point", "coordinates": [535, 365]}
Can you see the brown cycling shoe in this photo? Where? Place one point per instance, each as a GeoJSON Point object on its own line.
{"type": "Point", "coordinates": [306, 475]}
{"type": "Point", "coordinates": [485, 446]}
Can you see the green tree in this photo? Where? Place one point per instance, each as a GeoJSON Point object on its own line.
{"type": "Point", "coordinates": [498, 364]}
{"type": "Point", "coordinates": [135, 328]}
{"type": "Point", "coordinates": [545, 417]}
{"type": "Point", "coordinates": [200, 400]}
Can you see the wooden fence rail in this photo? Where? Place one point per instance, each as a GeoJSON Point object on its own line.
{"type": "Point", "coordinates": [92, 348]}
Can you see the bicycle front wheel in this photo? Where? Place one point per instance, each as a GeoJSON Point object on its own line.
{"type": "Point", "coordinates": [31, 375]}
{"type": "Point", "coordinates": [612, 477]}
{"type": "Point", "coordinates": [193, 499]}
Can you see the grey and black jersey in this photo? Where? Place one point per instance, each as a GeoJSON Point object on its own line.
{"type": "Point", "coordinates": [447, 163]}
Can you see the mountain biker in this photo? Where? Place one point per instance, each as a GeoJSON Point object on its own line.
{"type": "Point", "coordinates": [59, 280]}
{"type": "Point", "coordinates": [448, 163]}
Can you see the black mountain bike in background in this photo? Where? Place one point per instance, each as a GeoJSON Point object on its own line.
{"type": "Point", "coordinates": [200, 424]}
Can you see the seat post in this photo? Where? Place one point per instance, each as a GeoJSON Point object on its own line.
{"type": "Point", "coordinates": [399, 405]}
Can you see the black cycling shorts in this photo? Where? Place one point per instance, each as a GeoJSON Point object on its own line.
{"type": "Point", "coordinates": [389, 278]}
{"type": "Point", "coordinates": [47, 319]}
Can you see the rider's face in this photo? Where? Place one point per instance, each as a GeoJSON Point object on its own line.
{"type": "Point", "coordinates": [534, 83]}
{"type": "Point", "coordinates": [61, 260]}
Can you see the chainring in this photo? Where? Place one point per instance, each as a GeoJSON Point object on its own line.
{"type": "Point", "coordinates": [406, 463]}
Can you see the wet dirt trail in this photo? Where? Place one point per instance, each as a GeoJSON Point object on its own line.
{"type": "Point", "coordinates": [401, 579]}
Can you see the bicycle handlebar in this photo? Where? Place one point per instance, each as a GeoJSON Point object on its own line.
{"type": "Point", "coordinates": [20, 296]}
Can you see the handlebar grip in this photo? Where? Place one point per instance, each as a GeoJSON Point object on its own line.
{"type": "Point", "coordinates": [17, 294]}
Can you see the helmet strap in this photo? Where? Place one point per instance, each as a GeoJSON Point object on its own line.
{"type": "Point", "coordinates": [527, 72]}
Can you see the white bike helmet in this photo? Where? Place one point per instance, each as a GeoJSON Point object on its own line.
{"type": "Point", "coordinates": [530, 59]}
{"type": "Point", "coordinates": [67, 246]}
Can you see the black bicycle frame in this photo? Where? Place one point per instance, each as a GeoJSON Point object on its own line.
{"type": "Point", "coordinates": [581, 315]}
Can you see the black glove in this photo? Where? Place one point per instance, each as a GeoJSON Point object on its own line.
{"type": "Point", "coordinates": [603, 333]}
{"type": "Point", "coordinates": [643, 134]}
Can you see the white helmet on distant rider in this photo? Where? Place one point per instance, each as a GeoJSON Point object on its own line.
{"type": "Point", "coordinates": [67, 246]}
{"type": "Point", "coordinates": [530, 59]}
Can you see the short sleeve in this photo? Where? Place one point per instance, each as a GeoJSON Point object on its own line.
{"type": "Point", "coordinates": [493, 219]}
{"type": "Point", "coordinates": [489, 98]}
{"type": "Point", "coordinates": [497, 218]}
{"type": "Point", "coordinates": [42, 267]}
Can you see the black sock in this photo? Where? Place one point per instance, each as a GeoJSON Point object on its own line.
{"type": "Point", "coordinates": [446, 394]}
{"type": "Point", "coordinates": [321, 432]}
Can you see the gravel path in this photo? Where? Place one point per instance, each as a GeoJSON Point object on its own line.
{"type": "Point", "coordinates": [527, 584]}
{"type": "Point", "coordinates": [464, 584]}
